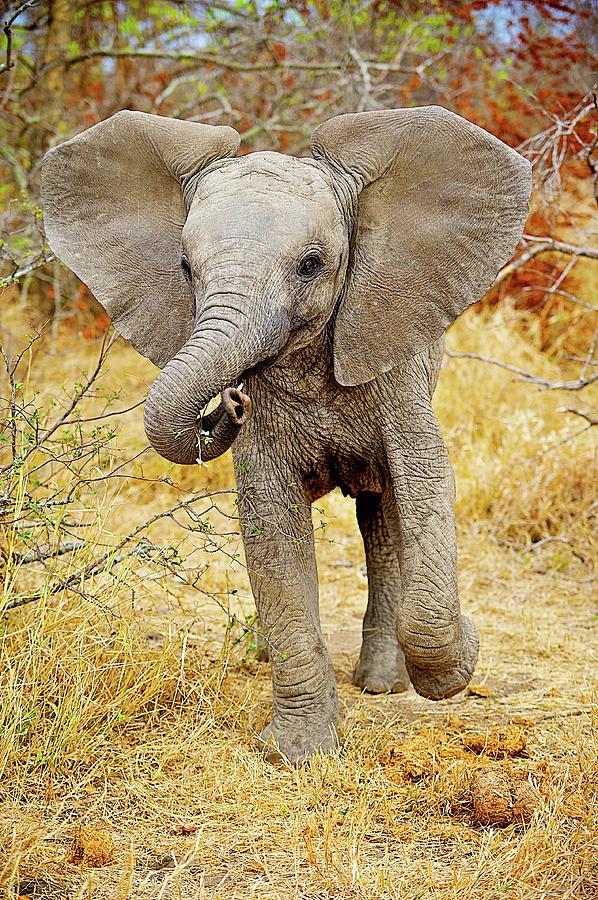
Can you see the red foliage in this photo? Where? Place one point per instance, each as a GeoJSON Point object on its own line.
{"type": "Point", "coordinates": [516, 68]}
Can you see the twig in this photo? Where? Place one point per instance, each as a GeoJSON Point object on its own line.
{"type": "Point", "coordinates": [365, 77]}
{"type": "Point", "coordinates": [104, 561]}
{"type": "Point", "coordinates": [116, 412]}
{"type": "Point", "coordinates": [564, 715]}
{"type": "Point", "coordinates": [543, 245]}
{"type": "Point", "coordinates": [232, 618]}
{"type": "Point", "coordinates": [590, 354]}
{"type": "Point", "coordinates": [528, 376]}
{"type": "Point", "coordinates": [79, 394]}
{"type": "Point", "coordinates": [49, 552]}
{"type": "Point", "coordinates": [590, 419]}
{"type": "Point", "coordinates": [10, 371]}
{"type": "Point", "coordinates": [202, 59]}
{"type": "Point", "coordinates": [228, 63]}
{"type": "Point", "coordinates": [556, 540]}
{"type": "Point", "coordinates": [7, 29]}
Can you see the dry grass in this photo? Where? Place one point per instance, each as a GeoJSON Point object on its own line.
{"type": "Point", "coordinates": [136, 716]}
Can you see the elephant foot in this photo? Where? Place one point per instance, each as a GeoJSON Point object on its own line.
{"type": "Point", "coordinates": [381, 669]}
{"type": "Point", "coordinates": [439, 684]}
{"type": "Point", "coordinates": [293, 742]}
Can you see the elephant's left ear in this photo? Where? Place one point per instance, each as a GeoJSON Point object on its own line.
{"type": "Point", "coordinates": [441, 206]}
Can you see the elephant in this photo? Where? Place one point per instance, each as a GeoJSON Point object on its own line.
{"type": "Point", "coordinates": [312, 294]}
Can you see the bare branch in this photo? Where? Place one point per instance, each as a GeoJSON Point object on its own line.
{"type": "Point", "coordinates": [116, 412]}
{"type": "Point", "coordinates": [107, 560]}
{"type": "Point", "coordinates": [203, 59]}
{"type": "Point", "coordinates": [590, 419]}
{"type": "Point", "coordinates": [26, 270]}
{"type": "Point", "coordinates": [231, 65]}
{"type": "Point", "coordinates": [80, 393]}
{"type": "Point", "coordinates": [7, 29]}
{"type": "Point", "coordinates": [49, 552]}
{"type": "Point", "coordinates": [544, 245]}
{"type": "Point", "coordinates": [366, 102]}
{"type": "Point", "coordinates": [576, 385]}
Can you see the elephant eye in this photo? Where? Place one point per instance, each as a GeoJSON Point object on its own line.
{"type": "Point", "coordinates": [186, 269]}
{"type": "Point", "coordinates": [310, 266]}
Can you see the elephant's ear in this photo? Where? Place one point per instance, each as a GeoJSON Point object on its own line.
{"type": "Point", "coordinates": [114, 212]}
{"type": "Point", "coordinates": [441, 206]}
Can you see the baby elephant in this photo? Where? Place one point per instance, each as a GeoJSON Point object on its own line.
{"type": "Point", "coordinates": [321, 289]}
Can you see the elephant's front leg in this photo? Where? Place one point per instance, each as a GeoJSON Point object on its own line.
{"type": "Point", "coordinates": [381, 666]}
{"type": "Point", "coordinates": [279, 546]}
{"type": "Point", "coordinates": [440, 644]}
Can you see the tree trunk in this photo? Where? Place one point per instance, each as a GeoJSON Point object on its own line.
{"type": "Point", "coordinates": [55, 52]}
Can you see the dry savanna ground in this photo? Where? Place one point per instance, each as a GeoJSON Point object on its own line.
{"type": "Point", "coordinates": [130, 701]}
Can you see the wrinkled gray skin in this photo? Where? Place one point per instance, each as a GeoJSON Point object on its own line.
{"type": "Point", "coordinates": [409, 214]}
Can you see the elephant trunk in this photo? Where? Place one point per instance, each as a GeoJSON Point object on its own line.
{"type": "Point", "coordinates": [210, 362]}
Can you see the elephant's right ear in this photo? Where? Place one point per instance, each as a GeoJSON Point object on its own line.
{"type": "Point", "coordinates": [114, 211]}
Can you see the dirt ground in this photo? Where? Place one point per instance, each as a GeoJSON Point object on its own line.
{"type": "Point", "coordinates": [126, 737]}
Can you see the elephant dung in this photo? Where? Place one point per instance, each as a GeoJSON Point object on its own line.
{"type": "Point", "coordinates": [91, 847]}
{"type": "Point", "coordinates": [509, 741]}
{"type": "Point", "coordinates": [500, 798]}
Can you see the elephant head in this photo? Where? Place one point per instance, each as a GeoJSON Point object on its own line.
{"type": "Point", "coordinates": [214, 265]}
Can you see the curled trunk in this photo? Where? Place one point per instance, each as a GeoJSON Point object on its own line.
{"type": "Point", "coordinates": [218, 430]}
{"type": "Point", "coordinates": [173, 419]}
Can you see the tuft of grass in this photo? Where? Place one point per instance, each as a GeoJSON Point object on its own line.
{"type": "Point", "coordinates": [133, 709]}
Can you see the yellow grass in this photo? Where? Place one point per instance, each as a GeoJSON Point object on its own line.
{"type": "Point", "coordinates": [137, 714]}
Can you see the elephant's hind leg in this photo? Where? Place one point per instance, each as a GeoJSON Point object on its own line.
{"type": "Point", "coordinates": [381, 667]}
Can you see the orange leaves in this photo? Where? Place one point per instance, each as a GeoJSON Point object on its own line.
{"type": "Point", "coordinates": [278, 50]}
